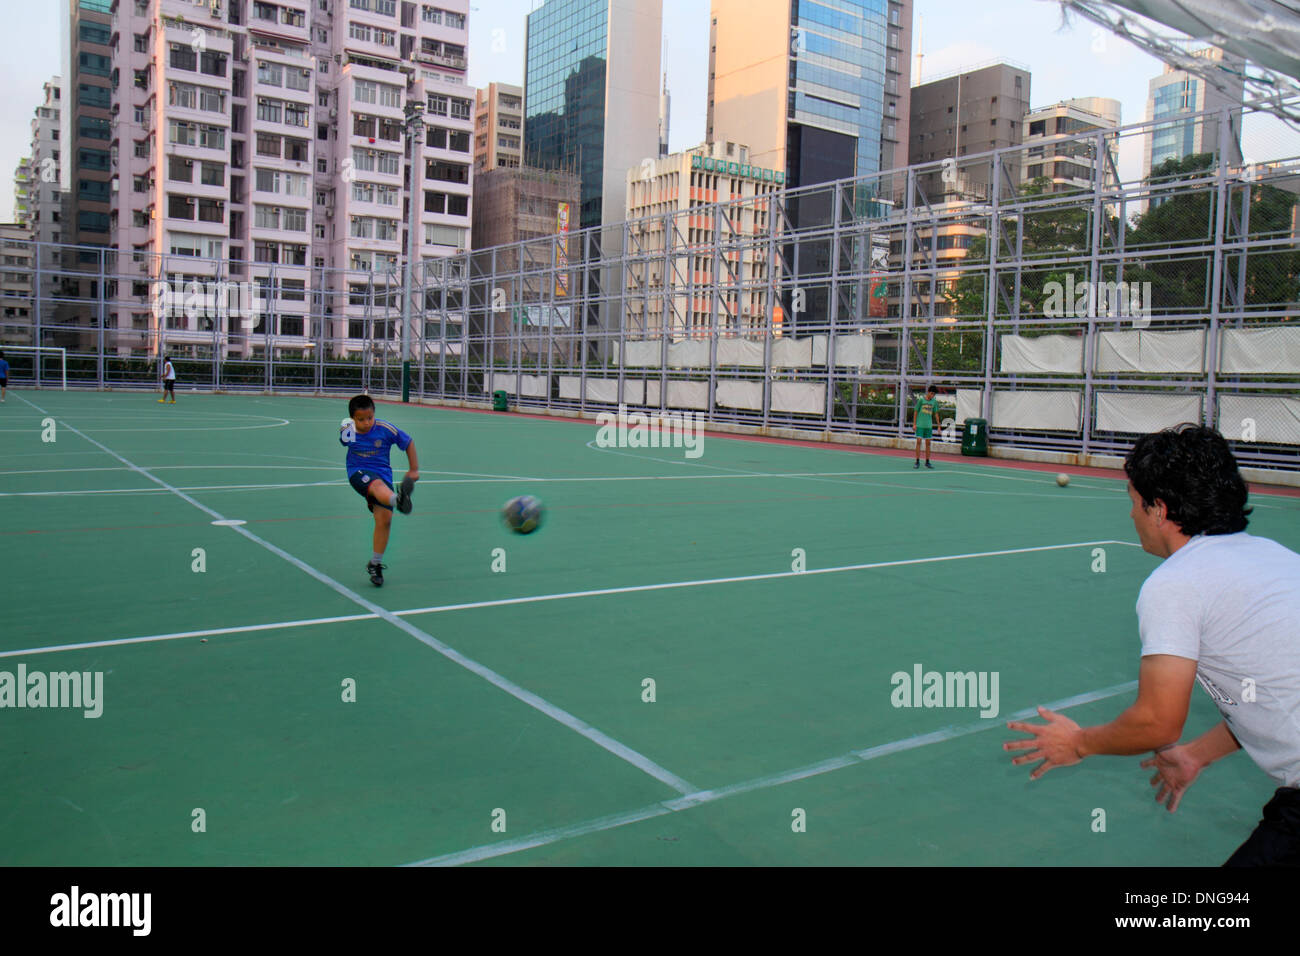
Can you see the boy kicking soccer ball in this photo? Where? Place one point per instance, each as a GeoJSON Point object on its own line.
{"type": "Point", "coordinates": [368, 441]}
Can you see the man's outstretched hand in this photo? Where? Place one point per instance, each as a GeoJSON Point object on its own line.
{"type": "Point", "coordinates": [1176, 768]}
{"type": "Point", "coordinates": [1055, 743]}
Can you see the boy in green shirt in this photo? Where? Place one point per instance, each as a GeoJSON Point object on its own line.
{"type": "Point", "coordinates": [926, 412]}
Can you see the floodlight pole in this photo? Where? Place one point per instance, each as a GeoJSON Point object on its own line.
{"type": "Point", "coordinates": [414, 134]}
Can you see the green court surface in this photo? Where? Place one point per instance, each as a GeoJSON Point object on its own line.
{"type": "Point", "coordinates": [500, 716]}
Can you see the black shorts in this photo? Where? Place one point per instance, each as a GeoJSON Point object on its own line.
{"type": "Point", "coordinates": [170, 385]}
{"type": "Point", "coordinates": [1276, 841]}
{"type": "Point", "coordinates": [360, 480]}
{"type": "Point", "coordinates": [4, 381]}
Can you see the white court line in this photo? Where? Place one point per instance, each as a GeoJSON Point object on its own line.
{"type": "Point", "coordinates": [162, 491]}
{"type": "Point", "coordinates": [810, 572]}
{"type": "Point", "coordinates": [899, 473]}
{"type": "Point", "coordinates": [685, 802]}
{"type": "Point", "coordinates": [622, 751]}
{"type": "Point", "coordinates": [1045, 476]}
{"type": "Point", "coordinates": [535, 599]}
{"type": "Point", "coordinates": [178, 635]}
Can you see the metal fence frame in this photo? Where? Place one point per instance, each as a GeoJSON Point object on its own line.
{"type": "Point", "coordinates": [521, 317]}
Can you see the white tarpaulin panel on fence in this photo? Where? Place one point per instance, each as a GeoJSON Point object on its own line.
{"type": "Point", "coordinates": [736, 394]}
{"type": "Point", "coordinates": [642, 354]}
{"type": "Point", "coordinates": [1261, 351]}
{"type": "Point", "coordinates": [1272, 419]}
{"type": "Point", "coordinates": [791, 353]}
{"type": "Point", "coordinates": [692, 353]}
{"type": "Point", "coordinates": [970, 404]}
{"type": "Point", "coordinates": [535, 386]}
{"type": "Point", "coordinates": [850, 350]}
{"type": "Point", "coordinates": [799, 397]}
{"type": "Point", "coordinates": [1137, 351]}
{"type": "Point", "coordinates": [1038, 409]}
{"type": "Point", "coordinates": [685, 394]}
{"type": "Point", "coordinates": [606, 390]}
{"type": "Point", "coordinates": [1144, 413]}
{"type": "Point", "coordinates": [740, 352]}
{"type": "Point", "coordinates": [538, 386]}
{"type": "Point", "coordinates": [571, 386]}
{"type": "Point", "coordinates": [1046, 353]}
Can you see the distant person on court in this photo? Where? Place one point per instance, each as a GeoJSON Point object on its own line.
{"type": "Point", "coordinates": [169, 381]}
{"type": "Point", "coordinates": [926, 413]}
{"type": "Point", "coordinates": [368, 441]}
{"type": "Point", "coordinates": [4, 375]}
{"type": "Point", "coordinates": [1223, 609]}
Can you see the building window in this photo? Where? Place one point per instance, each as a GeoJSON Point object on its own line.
{"type": "Point", "coordinates": [268, 111]}
{"type": "Point", "coordinates": [270, 74]}
{"type": "Point", "coordinates": [211, 210]}
{"type": "Point", "coordinates": [213, 64]}
{"type": "Point", "coordinates": [268, 145]}
{"type": "Point", "coordinates": [180, 169]}
{"type": "Point", "coordinates": [183, 57]}
{"type": "Point", "coordinates": [180, 207]}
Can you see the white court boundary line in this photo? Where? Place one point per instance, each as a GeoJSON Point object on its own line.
{"type": "Point", "coordinates": [853, 758]}
{"type": "Point", "coordinates": [898, 473]}
{"type": "Point", "coordinates": [602, 740]}
{"type": "Point", "coordinates": [163, 491]}
{"type": "Point", "coordinates": [536, 598]}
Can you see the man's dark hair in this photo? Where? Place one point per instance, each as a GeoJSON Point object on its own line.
{"type": "Point", "coordinates": [1192, 470]}
{"type": "Point", "coordinates": [931, 388]}
{"type": "Point", "coordinates": [360, 402]}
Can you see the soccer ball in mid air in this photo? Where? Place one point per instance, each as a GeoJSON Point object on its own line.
{"type": "Point", "coordinates": [523, 515]}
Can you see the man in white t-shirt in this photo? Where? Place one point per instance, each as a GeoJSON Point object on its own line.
{"type": "Point", "coordinates": [1223, 609]}
{"type": "Point", "coordinates": [169, 381]}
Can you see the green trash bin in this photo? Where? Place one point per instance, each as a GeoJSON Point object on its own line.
{"type": "Point", "coordinates": [499, 401]}
{"type": "Point", "coordinates": [975, 441]}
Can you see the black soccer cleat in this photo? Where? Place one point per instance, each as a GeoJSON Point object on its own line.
{"type": "Point", "coordinates": [376, 572]}
{"type": "Point", "coordinates": [928, 465]}
{"type": "Point", "coordinates": [404, 492]}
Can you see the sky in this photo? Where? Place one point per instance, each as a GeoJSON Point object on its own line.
{"type": "Point", "coordinates": [1078, 59]}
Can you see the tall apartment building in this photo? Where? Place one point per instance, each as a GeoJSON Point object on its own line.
{"type": "Point", "coordinates": [44, 208]}
{"type": "Point", "coordinates": [591, 95]}
{"type": "Point", "coordinates": [1175, 93]}
{"type": "Point", "coordinates": [688, 183]}
{"type": "Point", "coordinates": [499, 127]}
{"type": "Point", "coordinates": [267, 142]}
{"type": "Point", "coordinates": [1071, 165]}
{"type": "Point", "coordinates": [86, 157]}
{"type": "Point", "coordinates": [87, 125]}
{"type": "Point", "coordinates": [16, 261]}
{"type": "Point", "coordinates": [966, 113]}
{"type": "Point", "coordinates": [818, 91]}
{"type": "Point", "coordinates": [39, 198]}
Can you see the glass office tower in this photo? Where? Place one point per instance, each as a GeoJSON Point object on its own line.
{"type": "Point", "coordinates": [837, 87]}
{"type": "Point", "coordinates": [564, 94]}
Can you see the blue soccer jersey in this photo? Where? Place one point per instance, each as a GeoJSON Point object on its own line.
{"type": "Point", "coordinates": [369, 452]}
{"type": "Point", "coordinates": [4, 369]}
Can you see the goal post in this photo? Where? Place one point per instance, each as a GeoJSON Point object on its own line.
{"type": "Point", "coordinates": [37, 353]}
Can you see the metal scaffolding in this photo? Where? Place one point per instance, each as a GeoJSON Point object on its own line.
{"type": "Point", "coordinates": [1071, 320]}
